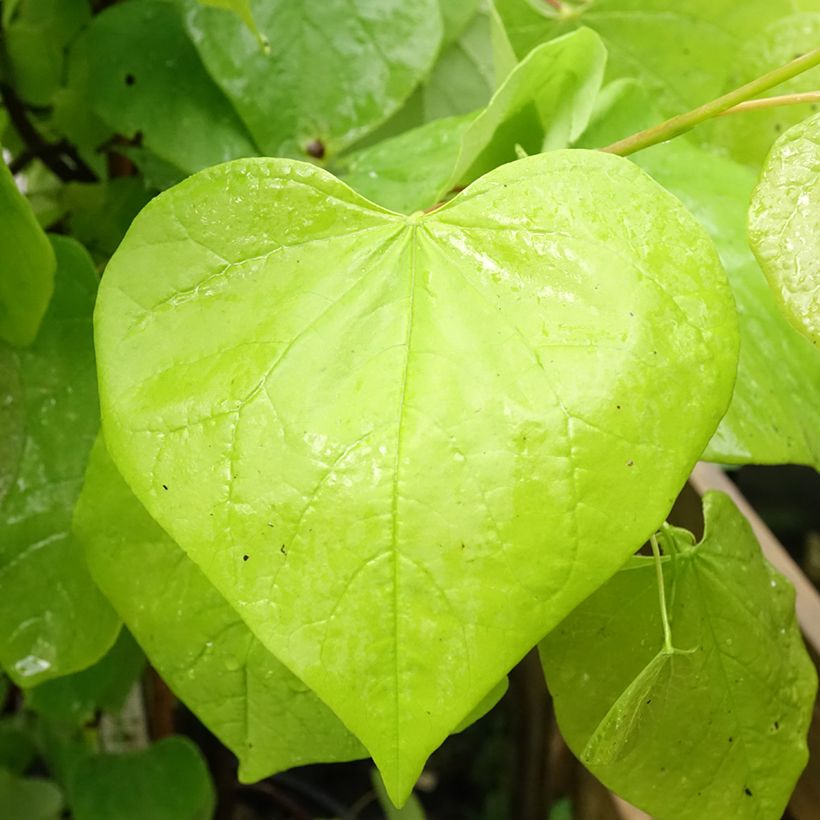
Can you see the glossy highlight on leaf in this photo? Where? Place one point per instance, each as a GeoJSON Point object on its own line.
{"type": "Point", "coordinates": [784, 225]}
{"type": "Point", "coordinates": [54, 620]}
{"type": "Point", "coordinates": [384, 414]}
{"type": "Point", "coordinates": [718, 727]}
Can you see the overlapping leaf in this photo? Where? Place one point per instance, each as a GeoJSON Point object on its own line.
{"type": "Point", "coordinates": [26, 265]}
{"type": "Point", "coordinates": [139, 72]}
{"type": "Point", "coordinates": [377, 435]}
{"type": "Point", "coordinates": [197, 641]}
{"type": "Point", "coordinates": [546, 102]}
{"type": "Point", "coordinates": [53, 620]}
{"type": "Point", "coordinates": [784, 225]}
{"type": "Point", "coordinates": [336, 68]}
{"type": "Point", "coordinates": [718, 727]}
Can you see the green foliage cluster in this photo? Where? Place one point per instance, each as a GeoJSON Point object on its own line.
{"type": "Point", "coordinates": [395, 363]}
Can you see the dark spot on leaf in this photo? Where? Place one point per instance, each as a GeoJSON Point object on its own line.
{"type": "Point", "coordinates": [630, 463]}
{"type": "Point", "coordinates": [462, 545]}
{"type": "Point", "coordinates": [283, 549]}
{"type": "Point", "coordinates": [747, 791]}
{"type": "Point", "coordinates": [130, 79]}
{"type": "Point", "coordinates": [315, 149]}
{"type": "Point", "coordinates": [649, 701]}
{"type": "Point", "coordinates": [245, 557]}
{"type": "Point", "coordinates": [164, 486]}
{"type": "Point", "coordinates": [776, 726]}
{"type": "Point", "coordinates": [617, 406]}
{"type": "Point", "coordinates": [731, 739]}
{"type": "Point", "coordinates": [270, 524]}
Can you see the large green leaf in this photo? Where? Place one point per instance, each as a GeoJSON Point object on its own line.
{"type": "Point", "coordinates": [718, 727]}
{"type": "Point", "coordinates": [684, 52]}
{"type": "Point", "coordinates": [544, 104]}
{"type": "Point", "coordinates": [24, 798]}
{"type": "Point", "coordinates": [774, 416]}
{"type": "Point", "coordinates": [784, 225]}
{"type": "Point", "coordinates": [102, 687]}
{"type": "Point", "coordinates": [53, 620]}
{"type": "Point", "coordinates": [197, 641]}
{"type": "Point", "coordinates": [748, 137]}
{"type": "Point", "coordinates": [140, 74]}
{"type": "Point", "coordinates": [167, 781]}
{"type": "Point", "coordinates": [26, 265]}
{"type": "Point", "coordinates": [34, 42]}
{"type": "Point", "coordinates": [410, 425]}
{"type": "Point", "coordinates": [336, 69]}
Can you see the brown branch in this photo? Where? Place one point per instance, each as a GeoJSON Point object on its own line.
{"type": "Point", "coordinates": [60, 158]}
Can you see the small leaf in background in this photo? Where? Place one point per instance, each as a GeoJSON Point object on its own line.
{"type": "Point", "coordinates": [102, 687]}
{"type": "Point", "coordinates": [26, 265]}
{"type": "Point", "coordinates": [54, 620]}
{"type": "Point", "coordinates": [196, 640]}
{"type": "Point", "coordinates": [411, 810]}
{"type": "Point", "coordinates": [409, 172]}
{"type": "Point", "coordinates": [717, 729]}
{"type": "Point", "coordinates": [167, 781]}
{"type": "Point", "coordinates": [328, 79]}
{"type": "Point", "coordinates": [310, 517]}
{"type": "Point", "coordinates": [137, 69]}
{"type": "Point", "coordinates": [784, 225]}
{"type": "Point", "coordinates": [29, 798]}
{"type": "Point", "coordinates": [35, 40]}
{"type": "Point", "coordinates": [544, 104]}
{"type": "Point", "coordinates": [17, 747]}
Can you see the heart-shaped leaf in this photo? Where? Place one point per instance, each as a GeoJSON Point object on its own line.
{"type": "Point", "coordinates": [392, 443]}
{"type": "Point", "coordinates": [784, 225]}
{"type": "Point", "coordinates": [336, 68]}
{"type": "Point", "coordinates": [715, 728]}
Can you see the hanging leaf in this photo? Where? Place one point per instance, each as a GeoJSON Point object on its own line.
{"type": "Point", "coordinates": [26, 265]}
{"type": "Point", "coordinates": [784, 225]}
{"type": "Point", "coordinates": [197, 641]}
{"type": "Point", "coordinates": [479, 422]}
{"type": "Point", "coordinates": [336, 68]}
{"type": "Point", "coordinates": [716, 728]}
{"type": "Point", "coordinates": [53, 620]}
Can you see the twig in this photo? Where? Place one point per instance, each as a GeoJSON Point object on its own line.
{"type": "Point", "coordinates": [686, 122]}
{"type": "Point", "coordinates": [60, 158]}
{"type": "Point", "coordinates": [774, 102]}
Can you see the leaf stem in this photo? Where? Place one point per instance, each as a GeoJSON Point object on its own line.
{"type": "Point", "coordinates": [685, 122]}
{"type": "Point", "coordinates": [773, 102]}
{"type": "Point", "coordinates": [667, 631]}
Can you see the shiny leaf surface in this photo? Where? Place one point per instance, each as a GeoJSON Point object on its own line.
{"type": "Point", "coordinates": [53, 620]}
{"type": "Point", "coordinates": [457, 464]}
{"type": "Point", "coordinates": [718, 727]}
{"type": "Point", "coordinates": [784, 225]}
{"type": "Point", "coordinates": [197, 641]}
